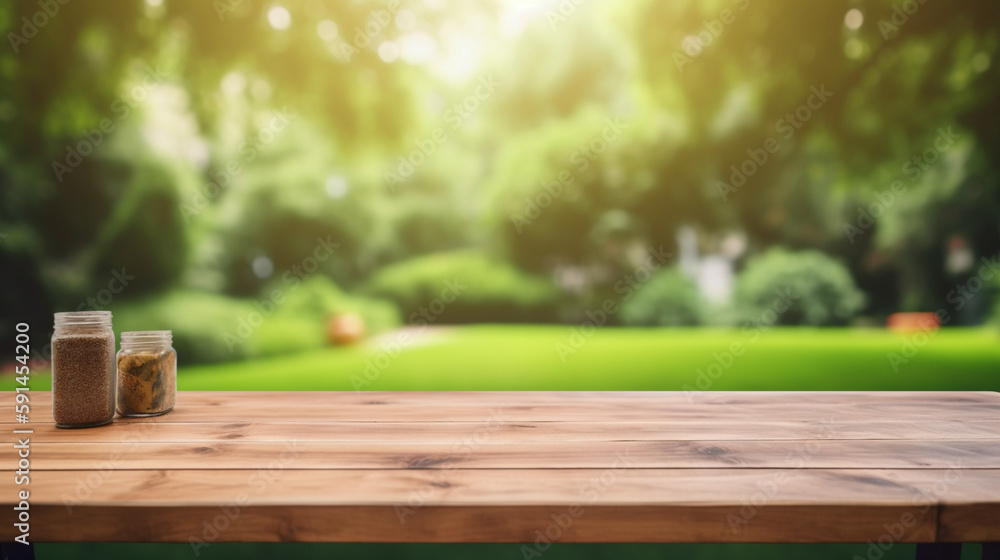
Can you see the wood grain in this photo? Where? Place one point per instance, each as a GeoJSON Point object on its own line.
{"type": "Point", "coordinates": [282, 484]}
{"type": "Point", "coordinates": [529, 525]}
{"type": "Point", "coordinates": [255, 406]}
{"type": "Point", "coordinates": [688, 505]}
{"type": "Point", "coordinates": [496, 467]}
{"type": "Point", "coordinates": [512, 432]}
{"type": "Point", "coordinates": [483, 454]}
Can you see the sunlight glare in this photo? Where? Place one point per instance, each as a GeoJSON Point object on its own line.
{"type": "Point", "coordinates": [327, 30]}
{"type": "Point", "coordinates": [279, 17]}
{"type": "Point", "coordinates": [853, 19]}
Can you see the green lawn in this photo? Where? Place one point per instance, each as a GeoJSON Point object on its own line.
{"type": "Point", "coordinates": [528, 358]}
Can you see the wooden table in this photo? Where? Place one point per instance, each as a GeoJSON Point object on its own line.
{"type": "Point", "coordinates": [530, 468]}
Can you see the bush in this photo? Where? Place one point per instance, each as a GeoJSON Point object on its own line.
{"type": "Point", "coordinates": [209, 327]}
{"type": "Point", "coordinates": [668, 299]}
{"type": "Point", "coordinates": [199, 322]}
{"type": "Point", "coordinates": [488, 290]}
{"type": "Point", "coordinates": [319, 298]}
{"type": "Point", "coordinates": [819, 289]}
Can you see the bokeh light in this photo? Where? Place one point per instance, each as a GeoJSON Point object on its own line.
{"type": "Point", "coordinates": [853, 19]}
{"type": "Point", "coordinates": [279, 17]}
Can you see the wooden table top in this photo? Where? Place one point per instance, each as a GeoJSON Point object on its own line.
{"type": "Point", "coordinates": [519, 467]}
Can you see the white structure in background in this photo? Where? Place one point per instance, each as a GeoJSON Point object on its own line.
{"type": "Point", "coordinates": [960, 257]}
{"type": "Point", "coordinates": [713, 273]}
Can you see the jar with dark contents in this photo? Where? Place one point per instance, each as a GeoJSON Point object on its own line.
{"type": "Point", "coordinates": [83, 369]}
{"type": "Point", "coordinates": [147, 373]}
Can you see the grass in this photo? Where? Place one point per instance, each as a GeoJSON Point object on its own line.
{"type": "Point", "coordinates": [528, 358]}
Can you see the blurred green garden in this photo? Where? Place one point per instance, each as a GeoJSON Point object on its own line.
{"type": "Point", "coordinates": [275, 180]}
{"type": "Point", "coordinates": [693, 195]}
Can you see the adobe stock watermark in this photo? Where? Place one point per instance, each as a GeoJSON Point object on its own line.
{"type": "Point", "coordinates": [694, 44]}
{"type": "Point", "coordinates": [964, 292]}
{"type": "Point", "coordinates": [590, 493]}
{"type": "Point", "coordinates": [901, 13]}
{"type": "Point", "coordinates": [751, 329]}
{"type": "Point", "coordinates": [787, 126]}
{"type": "Point", "coordinates": [562, 12]}
{"type": "Point", "coordinates": [99, 301]}
{"type": "Point", "coordinates": [626, 287]}
{"type": "Point", "coordinates": [290, 281]}
{"type": "Point", "coordinates": [425, 146]}
{"type": "Point", "coordinates": [120, 279]}
{"type": "Point", "coordinates": [960, 296]}
{"type": "Point", "coordinates": [914, 168]}
{"type": "Point", "coordinates": [769, 488]}
{"type": "Point", "coordinates": [223, 7]}
{"type": "Point", "coordinates": [581, 158]}
{"type": "Point", "coordinates": [420, 319]}
{"type": "Point", "coordinates": [258, 481]}
{"type": "Point", "coordinates": [926, 497]}
{"type": "Point", "coordinates": [375, 25]}
{"type": "Point", "coordinates": [101, 471]}
{"type": "Point", "coordinates": [463, 450]}
{"type": "Point", "coordinates": [121, 107]}
{"type": "Point", "coordinates": [30, 26]}
{"type": "Point", "coordinates": [247, 151]}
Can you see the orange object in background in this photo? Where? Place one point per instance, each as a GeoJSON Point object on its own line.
{"type": "Point", "coordinates": [346, 328]}
{"type": "Point", "coordinates": [906, 322]}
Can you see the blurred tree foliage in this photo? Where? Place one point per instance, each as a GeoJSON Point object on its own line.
{"type": "Point", "coordinates": [612, 124]}
{"type": "Point", "coordinates": [907, 71]}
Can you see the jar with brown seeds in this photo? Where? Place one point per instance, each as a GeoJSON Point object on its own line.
{"type": "Point", "coordinates": [147, 373]}
{"type": "Point", "coordinates": [83, 369]}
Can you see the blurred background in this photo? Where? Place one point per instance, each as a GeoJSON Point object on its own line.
{"type": "Point", "coordinates": [509, 194]}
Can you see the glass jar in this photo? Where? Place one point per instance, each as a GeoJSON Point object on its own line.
{"type": "Point", "coordinates": [147, 373]}
{"type": "Point", "coordinates": [83, 369]}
